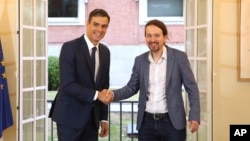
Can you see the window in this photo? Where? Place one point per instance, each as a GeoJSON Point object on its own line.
{"type": "Point", "coordinates": [169, 11]}
{"type": "Point", "coordinates": [66, 12]}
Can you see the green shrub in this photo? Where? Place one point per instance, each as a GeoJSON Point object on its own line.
{"type": "Point", "coordinates": [53, 66]}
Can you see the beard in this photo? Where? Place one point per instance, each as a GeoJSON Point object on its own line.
{"type": "Point", "coordinates": [154, 46]}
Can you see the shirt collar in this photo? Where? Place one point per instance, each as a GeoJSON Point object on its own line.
{"type": "Point", "coordinates": [163, 56]}
{"type": "Point", "coordinates": [89, 43]}
{"type": "Point", "coordinates": [164, 53]}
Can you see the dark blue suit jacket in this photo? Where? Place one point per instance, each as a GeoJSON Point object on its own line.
{"type": "Point", "coordinates": [179, 73]}
{"type": "Point", "coordinates": [74, 101]}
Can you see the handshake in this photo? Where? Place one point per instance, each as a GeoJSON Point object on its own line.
{"type": "Point", "coordinates": [105, 96]}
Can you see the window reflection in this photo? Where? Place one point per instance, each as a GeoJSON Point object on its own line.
{"type": "Point", "coordinates": [63, 8]}
{"type": "Point", "coordinates": [165, 8]}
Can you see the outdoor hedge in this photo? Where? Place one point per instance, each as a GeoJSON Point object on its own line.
{"type": "Point", "coordinates": [53, 66]}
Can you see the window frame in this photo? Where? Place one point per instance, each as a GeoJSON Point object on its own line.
{"type": "Point", "coordinates": [80, 20]}
{"type": "Point", "coordinates": [143, 18]}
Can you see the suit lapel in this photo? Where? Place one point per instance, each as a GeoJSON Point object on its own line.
{"type": "Point", "coordinates": [103, 63]}
{"type": "Point", "coordinates": [170, 65]}
{"type": "Point", "coordinates": [145, 70]}
{"type": "Point", "coordinates": [85, 50]}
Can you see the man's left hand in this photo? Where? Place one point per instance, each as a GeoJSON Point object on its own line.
{"type": "Point", "coordinates": [104, 129]}
{"type": "Point", "coordinates": [193, 125]}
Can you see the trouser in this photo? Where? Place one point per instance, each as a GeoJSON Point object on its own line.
{"type": "Point", "coordinates": [88, 133]}
{"type": "Point", "coordinates": [159, 129]}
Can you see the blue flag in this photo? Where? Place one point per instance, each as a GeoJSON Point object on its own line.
{"type": "Point", "coordinates": [6, 119]}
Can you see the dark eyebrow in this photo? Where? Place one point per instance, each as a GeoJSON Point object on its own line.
{"type": "Point", "coordinates": [95, 23]}
{"type": "Point", "coordinates": [103, 25]}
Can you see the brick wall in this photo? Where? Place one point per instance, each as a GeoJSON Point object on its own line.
{"type": "Point", "coordinates": [124, 28]}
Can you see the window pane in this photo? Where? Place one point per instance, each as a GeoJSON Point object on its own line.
{"type": "Point", "coordinates": [203, 103]}
{"type": "Point", "coordinates": [28, 74]}
{"type": "Point", "coordinates": [190, 12]}
{"type": "Point", "coordinates": [63, 8]}
{"type": "Point", "coordinates": [40, 130]}
{"type": "Point", "coordinates": [190, 42]}
{"type": "Point", "coordinates": [190, 136]}
{"type": "Point", "coordinates": [202, 75]}
{"type": "Point", "coordinates": [28, 105]}
{"type": "Point", "coordinates": [28, 38]}
{"type": "Point", "coordinates": [28, 132]}
{"type": "Point", "coordinates": [202, 133]}
{"type": "Point", "coordinates": [202, 42]}
{"type": "Point", "coordinates": [202, 12]}
{"type": "Point", "coordinates": [165, 8]}
{"type": "Point", "coordinates": [28, 12]}
{"type": "Point", "coordinates": [40, 73]}
{"type": "Point", "coordinates": [40, 43]}
{"type": "Point", "coordinates": [40, 102]}
{"type": "Point", "coordinates": [41, 14]}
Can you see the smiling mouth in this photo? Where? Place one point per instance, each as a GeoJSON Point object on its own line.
{"type": "Point", "coordinates": [153, 44]}
{"type": "Point", "coordinates": [98, 34]}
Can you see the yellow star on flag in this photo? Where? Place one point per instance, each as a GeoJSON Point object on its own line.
{"type": "Point", "coordinates": [4, 75]}
{"type": "Point", "coordinates": [2, 62]}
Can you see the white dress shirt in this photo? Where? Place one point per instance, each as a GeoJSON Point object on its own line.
{"type": "Point", "coordinates": [157, 102]}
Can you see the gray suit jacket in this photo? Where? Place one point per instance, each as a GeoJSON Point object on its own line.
{"type": "Point", "coordinates": [179, 73]}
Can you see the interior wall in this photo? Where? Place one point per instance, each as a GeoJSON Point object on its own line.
{"type": "Point", "coordinates": [9, 39]}
{"type": "Point", "coordinates": [231, 98]}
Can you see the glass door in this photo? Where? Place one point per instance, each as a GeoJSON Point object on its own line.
{"type": "Point", "coordinates": [33, 70]}
{"type": "Point", "coordinates": [198, 45]}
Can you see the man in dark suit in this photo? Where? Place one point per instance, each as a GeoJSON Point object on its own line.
{"type": "Point", "coordinates": [84, 78]}
{"type": "Point", "coordinates": [159, 74]}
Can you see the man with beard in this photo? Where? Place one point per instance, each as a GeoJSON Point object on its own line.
{"type": "Point", "coordinates": [159, 75]}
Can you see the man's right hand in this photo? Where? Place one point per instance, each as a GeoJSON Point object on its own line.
{"type": "Point", "coordinates": [105, 96]}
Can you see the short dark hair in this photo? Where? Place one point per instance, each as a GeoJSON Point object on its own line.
{"type": "Point", "coordinates": [159, 24]}
{"type": "Point", "coordinates": [98, 12]}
